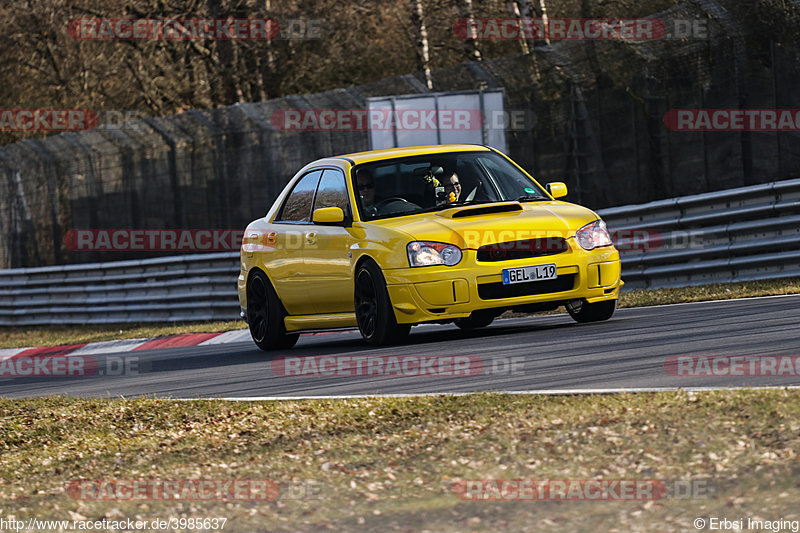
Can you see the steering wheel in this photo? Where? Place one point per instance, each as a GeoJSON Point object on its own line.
{"type": "Point", "coordinates": [400, 205]}
{"type": "Point", "coordinates": [384, 203]}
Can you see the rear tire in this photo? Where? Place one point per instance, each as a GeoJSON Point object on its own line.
{"type": "Point", "coordinates": [374, 312]}
{"type": "Point", "coordinates": [477, 319]}
{"type": "Point", "coordinates": [582, 311]}
{"type": "Point", "coordinates": [265, 315]}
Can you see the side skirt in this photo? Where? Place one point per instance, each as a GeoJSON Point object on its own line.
{"type": "Point", "coordinates": [320, 322]}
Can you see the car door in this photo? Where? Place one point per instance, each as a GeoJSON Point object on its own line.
{"type": "Point", "coordinates": [327, 259]}
{"type": "Point", "coordinates": [286, 264]}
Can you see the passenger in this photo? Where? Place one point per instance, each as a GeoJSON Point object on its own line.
{"type": "Point", "coordinates": [452, 186]}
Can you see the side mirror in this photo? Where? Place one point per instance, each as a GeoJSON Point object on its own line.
{"type": "Point", "coordinates": [328, 215]}
{"type": "Point", "coordinates": [557, 189]}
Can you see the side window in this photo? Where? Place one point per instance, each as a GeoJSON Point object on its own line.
{"type": "Point", "coordinates": [332, 191]}
{"type": "Point", "coordinates": [297, 207]}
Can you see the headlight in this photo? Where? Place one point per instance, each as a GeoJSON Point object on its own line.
{"type": "Point", "coordinates": [593, 235]}
{"type": "Point", "coordinates": [432, 253]}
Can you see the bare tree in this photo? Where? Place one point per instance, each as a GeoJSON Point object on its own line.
{"type": "Point", "coordinates": [423, 49]}
{"type": "Point", "coordinates": [535, 9]}
{"type": "Point", "coordinates": [471, 49]}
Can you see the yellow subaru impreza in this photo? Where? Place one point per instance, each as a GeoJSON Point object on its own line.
{"type": "Point", "coordinates": [387, 239]}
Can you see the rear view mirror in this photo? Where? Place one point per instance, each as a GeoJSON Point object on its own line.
{"type": "Point", "coordinates": [557, 189]}
{"type": "Point", "coordinates": [428, 171]}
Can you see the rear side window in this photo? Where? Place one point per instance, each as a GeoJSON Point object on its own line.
{"type": "Point", "coordinates": [297, 207]}
{"type": "Point", "coordinates": [332, 191]}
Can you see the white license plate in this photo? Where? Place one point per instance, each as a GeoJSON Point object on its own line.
{"type": "Point", "coordinates": [531, 273]}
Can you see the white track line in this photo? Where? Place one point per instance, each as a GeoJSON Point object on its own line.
{"type": "Point", "coordinates": [123, 345]}
{"type": "Point", "coordinates": [5, 353]}
{"type": "Point", "coordinates": [723, 300]}
{"type": "Point", "coordinates": [236, 335]}
{"type": "Point", "coordinates": [546, 392]}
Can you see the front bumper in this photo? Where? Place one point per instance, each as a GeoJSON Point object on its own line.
{"type": "Point", "coordinates": [428, 294]}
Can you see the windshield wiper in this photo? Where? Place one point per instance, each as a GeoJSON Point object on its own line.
{"type": "Point", "coordinates": [530, 198]}
{"type": "Point", "coordinates": [471, 202]}
{"type": "Point", "coordinates": [442, 207]}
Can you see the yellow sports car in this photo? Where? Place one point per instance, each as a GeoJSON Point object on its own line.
{"type": "Point", "coordinates": [387, 239]}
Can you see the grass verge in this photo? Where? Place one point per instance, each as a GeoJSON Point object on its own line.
{"type": "Point", "coordinates": [716, 291]}
{"type": "Point", "coordinates": [389, 464]}
{"type": "Point", "coordinates": [17, 337]}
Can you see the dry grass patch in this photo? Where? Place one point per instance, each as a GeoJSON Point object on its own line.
{"type": "Point", "coordinates": [389, 464]}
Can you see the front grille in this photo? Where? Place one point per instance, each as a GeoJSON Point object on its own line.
{"type": "Point", "coordinates": [506, 251]}
{"type": "Point", "coordinates": [496, 291]}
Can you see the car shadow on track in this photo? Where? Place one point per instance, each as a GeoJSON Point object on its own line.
{"type": "Point", "coordinates": [347, 343]}
{"type": "Point", "coordinates": [216, 357]}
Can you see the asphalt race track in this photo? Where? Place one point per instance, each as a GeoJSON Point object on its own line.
{"type": "Point", "coordinates": [544, 353]}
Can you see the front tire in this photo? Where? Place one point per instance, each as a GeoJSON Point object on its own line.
{"type": "Point", "coordinates": [582, 311]}
{"type": "Point", "coordinates": [265, 315]}
{"type": "Point", "coordinates": [374, 313]}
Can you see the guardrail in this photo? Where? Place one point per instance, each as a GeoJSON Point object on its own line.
{"type": "Point", "coordinates": [740, 234]}
{"type": "Point", "coordinates": [166, 289]}
{"type": "Point", "coordinates": [743, 234]}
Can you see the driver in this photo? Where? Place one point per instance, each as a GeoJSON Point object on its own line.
{"type": "Point", "coordinates": [366, 189]}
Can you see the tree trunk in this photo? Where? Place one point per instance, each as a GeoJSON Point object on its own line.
{"type": "Point", "coordinates": [536, 9]}
{"type": "Point", "coordinates": [471, 49]}
{"type": "Point", "coordinates": [228, 94]}
{"type": "Point", "coordinates": [423, 49]}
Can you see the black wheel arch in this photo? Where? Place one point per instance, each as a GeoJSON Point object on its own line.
{"type": "Point", "coordinates": [251, 273]}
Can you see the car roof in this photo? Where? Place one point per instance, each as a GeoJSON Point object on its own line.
{"type": "Point", "coordinates": [391, 153]}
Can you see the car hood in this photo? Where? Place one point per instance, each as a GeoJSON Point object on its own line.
{"type": "Point", "coordinates": [475, 225]}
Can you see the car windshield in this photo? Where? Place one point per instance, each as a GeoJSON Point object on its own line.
{"type": "Point", "coordinates": [433, 182]}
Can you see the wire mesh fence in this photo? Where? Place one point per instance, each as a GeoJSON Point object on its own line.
{"type": "Point", "coordinates": [595, 119]}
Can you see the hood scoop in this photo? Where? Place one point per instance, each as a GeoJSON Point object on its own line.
{"type": "Point", "coordinates": [484, 210]}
